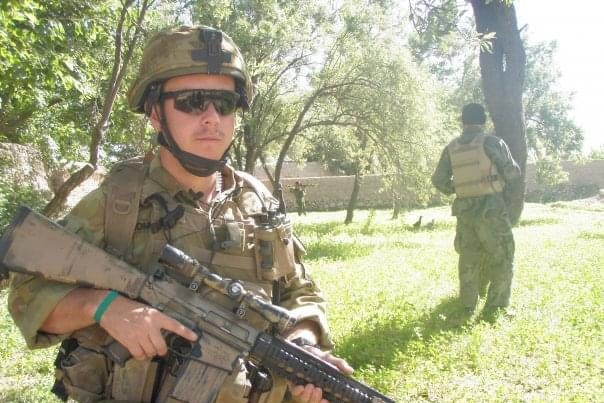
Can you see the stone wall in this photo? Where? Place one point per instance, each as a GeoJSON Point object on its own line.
{"type": "Point", "coordinates": [25, 165]}
{"type": "Point", "coordinates": [579, 173]}
{"type": "Point", "coordinates": [333, 192]}
{"type": "Point", "coordinates": [291, 169]}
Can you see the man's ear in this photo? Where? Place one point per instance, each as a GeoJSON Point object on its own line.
{"type": "Point", "coordinates": [154, 119]}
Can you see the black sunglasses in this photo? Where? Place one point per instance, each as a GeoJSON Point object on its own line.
{"type": "Point", "coordinates": [194, 102]}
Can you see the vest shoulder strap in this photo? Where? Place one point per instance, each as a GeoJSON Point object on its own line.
{"type": "Point", "coordinates": [455, 145]}
{"type": "Point", "coordinates": [265, 195]}
{"type": "Point", "coordinates": [124, 187]}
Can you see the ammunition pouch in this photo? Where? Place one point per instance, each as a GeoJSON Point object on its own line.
{"type": "Point", "coordinates": [274, 251]}
{"type": "Point", "coordinates": [135, 381]}
{"type": "Point", "coordinates": [84, 375]}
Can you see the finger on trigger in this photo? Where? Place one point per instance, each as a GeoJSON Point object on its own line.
{"type": "Point", "coordinates": [179, 329]}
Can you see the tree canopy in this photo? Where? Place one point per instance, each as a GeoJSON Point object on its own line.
{"type": "Point", "coordinates": [364, 87]}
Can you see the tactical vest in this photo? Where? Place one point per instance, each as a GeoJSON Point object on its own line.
{"type": "Point", "coordinates": [474, 174]}
{"type": "Point", "coordinates": [140, 218]}
{"type": "Point", "coordinates": [128, 195]}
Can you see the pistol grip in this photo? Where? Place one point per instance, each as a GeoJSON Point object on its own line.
{"type": "Point", "coordinates": [117, 353]}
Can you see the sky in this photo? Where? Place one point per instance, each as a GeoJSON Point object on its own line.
{"type": "Point", "coordinates": [576, 26]}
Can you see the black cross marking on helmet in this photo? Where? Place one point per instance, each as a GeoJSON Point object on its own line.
{"type": "Point", "coordinates": [213, 53]}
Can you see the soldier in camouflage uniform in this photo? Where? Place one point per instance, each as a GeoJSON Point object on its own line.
{"type": "Point", "coordinates": [299, 191]}
{"type": "Point", "coordinates": [190, 84]}
{"type": "Point", "coordinates": [477, 167]}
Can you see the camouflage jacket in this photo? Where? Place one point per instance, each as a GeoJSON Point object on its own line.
{"type": "Point", "coordinates": [31, 300]}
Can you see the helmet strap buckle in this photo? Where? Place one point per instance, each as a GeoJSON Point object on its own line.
{"type": "Point", "coordinates": [152, 97]}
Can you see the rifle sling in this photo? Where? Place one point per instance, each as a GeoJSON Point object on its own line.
{"type": "Point", "coordinates": [124, 188]}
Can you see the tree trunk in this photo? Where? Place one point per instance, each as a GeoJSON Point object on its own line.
{"type": "Point", "coordinates": [120, 63]}
{"type": "Point", "coordinates": [251, 150]}
{"type": "Point", "coordinates": [358, 178]}
{"type": "Point", "coordinates": [396, 208]}
{"type": "Point", "coordinates": [267, 171]}
{"type": "Point", "coordinates": [502, 69]}
{"type": "Point", "coordinates": [397, 198]}
{"type": "Point", "coordinates": [354, 196]}
{"type": "Point", "coordinates": [54, 207]}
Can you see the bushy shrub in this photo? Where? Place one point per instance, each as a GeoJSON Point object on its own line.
{"type": "Point", "coordinates": [561, 192]}
{"type": "Point", "coordinates": [553, 185]}
{"type": "Point", "coordinates": [549, 173]}
{"type": "Point", "coordinates": [597, 154]}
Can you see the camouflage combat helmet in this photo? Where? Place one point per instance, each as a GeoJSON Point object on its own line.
{"type": "Point", "coordinates": [189, 50]}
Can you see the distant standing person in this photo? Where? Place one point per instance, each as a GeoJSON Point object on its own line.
{"type": "Point", "coordinates": [477, 167]}
{"type": "Point", "coordinates": [299, 191]}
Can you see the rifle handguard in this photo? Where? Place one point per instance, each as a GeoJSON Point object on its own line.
{"type": "Point", "coordinates": [301, 367]}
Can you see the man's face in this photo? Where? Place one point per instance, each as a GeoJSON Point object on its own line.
{"type": "Point", "coordinates": [207, 134]}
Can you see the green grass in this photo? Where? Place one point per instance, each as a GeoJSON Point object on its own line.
{"type": "Point", "coordinates": [25, 375]}
{"type": "Point", "coordinates": [394, 316]}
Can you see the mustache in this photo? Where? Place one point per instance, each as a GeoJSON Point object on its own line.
{"type": "Point", "coordinates": [208, 132]}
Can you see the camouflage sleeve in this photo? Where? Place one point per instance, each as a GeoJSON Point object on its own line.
{"type": "Point", "coordinates": [304, 299]}
{"type": "Point", "coordinates": [498, 151]}
{"type": "Point", "coordinates": [302, 296]}
{"type": "Point", "coordinates": [32, 299]}
{"type": "Point", "coordinates": [442, 178]}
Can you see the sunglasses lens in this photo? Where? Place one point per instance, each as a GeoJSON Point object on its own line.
{"type": "Point", "coordinates": [196, 102]}
{"type": "Point", "coordinates": [225, 106]}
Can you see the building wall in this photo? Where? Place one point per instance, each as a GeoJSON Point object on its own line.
{"type": "Point", "coordinates": [292, 169]}
{"type": "Point", "coordinates": [327, 192]}
{"type": "Point", "coordinates": [579, 173]}
{"type": "Point", "coordinates": [333, 192]}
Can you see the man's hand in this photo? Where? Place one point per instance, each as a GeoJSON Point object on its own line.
{"type": "Point", "coordinates": [307, 394]}
{"type": "Point", "coordinates": [135, 325]}
{"type": "Point", "coordinates": [138, 327]}
{"type": "Point", "coordinates": [310, 393]}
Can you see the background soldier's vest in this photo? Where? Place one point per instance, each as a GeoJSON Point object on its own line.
{"type": "Point", "coordinates": [474, 174]}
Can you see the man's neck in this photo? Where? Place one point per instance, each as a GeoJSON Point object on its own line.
{"type": "Point", "coordinates": [473, 129]}
{"type": "Point", "coordinates": [205, 184]}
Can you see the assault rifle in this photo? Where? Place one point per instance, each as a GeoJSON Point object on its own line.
{"type": "Point", "coordinates": [35, 245]}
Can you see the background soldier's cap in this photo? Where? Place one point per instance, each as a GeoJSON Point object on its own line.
{"type": "Point", "coordinates": [189, 50]}
{"type": "Point", "coordinates": [473, 114]}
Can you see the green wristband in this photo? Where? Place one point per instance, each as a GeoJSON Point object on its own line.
{"type": "Point", "coordinates": [100, 310]}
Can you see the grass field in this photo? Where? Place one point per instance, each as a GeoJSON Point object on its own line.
{"type": "Point", "coordinates": [394, 316]}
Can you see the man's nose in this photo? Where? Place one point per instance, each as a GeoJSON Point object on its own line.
{"type": "Point", "coordinates": [210, 115]}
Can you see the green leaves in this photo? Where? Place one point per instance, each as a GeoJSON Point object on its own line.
{"type": "Point", "coordinates": [550, 129]}
{"type": "Point", "coordinates": [55, 59]}
{"type": "Point", "coordinates": [44, 57]}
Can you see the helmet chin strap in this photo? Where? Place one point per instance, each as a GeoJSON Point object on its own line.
{"type": "Point", "coordinates": [194, 164]}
